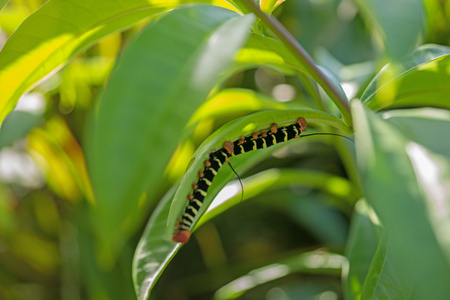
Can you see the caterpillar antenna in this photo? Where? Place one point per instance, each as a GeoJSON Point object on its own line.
{"type": "Point", "coordinates": [240, 181]}
{"type": "Point", "coordinates": [325, 133]}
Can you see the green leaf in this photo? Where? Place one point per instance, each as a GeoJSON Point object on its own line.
{"type": "Point", "coordinates": [419, 79]}
{"type": "Point", "coordinates": [398, 23]}
{"type": "Point", "coordinates": [382, 281]}
{"type": "Point", "coordinates": [397, 186]}
{"type": "Point", "coordinates": [429, 155]}
{"type": "Point", "coordinates": [3, 3]}
{"type": "Point", "coordinates": [230, 132]}
{"type": "Point", "coordinates": [57, 31]}
{"type": "Point", "coordinates": [154, 251]}
{"type": "Point", "coordinates": [364, 237]}
{"type": "Point", "coordinates": [158, 83]}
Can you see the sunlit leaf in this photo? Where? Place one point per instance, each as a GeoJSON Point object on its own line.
{"type": "Point", "coordinates": [398, 23]}
{"type": "Point", "coordinates": [163, 76]}
{"type": "Point", "coordinates": [419, 79]}
{"type": "Point", "coordinates": [414, 219]}
{"type": "Point", "coordinates": [59, 156]}
{"type": "Point", "coordinates": [59, 30]}
{"type": "Point", "coordinates": [268, 6]}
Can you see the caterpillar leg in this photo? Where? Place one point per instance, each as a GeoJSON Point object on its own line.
{"type": "Point", "coordinates": [229, 147]}
{"type": "Point", "coordinates": [302, 122]}
{"type": "Point", "coordinates": [274, 128]}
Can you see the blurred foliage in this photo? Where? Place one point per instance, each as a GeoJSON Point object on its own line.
{"type": "Point", "coordinates": [120, 106]}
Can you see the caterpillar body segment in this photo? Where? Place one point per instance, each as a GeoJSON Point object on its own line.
{"type": "Point", "coordinates": [216, 160]}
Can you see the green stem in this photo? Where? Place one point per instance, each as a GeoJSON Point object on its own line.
{"type": "Point", "coordinates": [304, 58]}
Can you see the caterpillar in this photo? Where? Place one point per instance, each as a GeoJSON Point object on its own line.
{"type": "Point", "coordinates": [257, 140]}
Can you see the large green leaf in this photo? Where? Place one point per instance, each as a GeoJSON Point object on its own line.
{"type": "Point", "coordinates": [163, 76]}
{"type": "Point", "coordinates": [230, 132]}
{"type": "Point", "coordinates": [400, 178]}
{"type": "Point", "coordinates": [398, 23]}
{"type": "Point", "coordinates": [364, 237]}
{"type": "Point", "coordinates": [59, 30]}
{"type": "Point", "coordinates": [382, 281]}
{"type": "Point", "coordinates": [419, 79]}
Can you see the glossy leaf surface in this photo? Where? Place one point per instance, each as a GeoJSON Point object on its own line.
{"type": "Point", "coordinates": [413, 218]}
{"type": "Point", "coordinates": [419, 79]}
{"type": "Point", "coordinates": [59, 30]}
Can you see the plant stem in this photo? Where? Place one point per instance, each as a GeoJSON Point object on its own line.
{"type": "Point", "coordinates": [304, 58]}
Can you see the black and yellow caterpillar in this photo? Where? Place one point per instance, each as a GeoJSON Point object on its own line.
{"type": "Point", "coordinates": [257, 140]}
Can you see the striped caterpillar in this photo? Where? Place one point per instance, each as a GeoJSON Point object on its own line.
{"type": "Point", "coordinates": [257, 140]}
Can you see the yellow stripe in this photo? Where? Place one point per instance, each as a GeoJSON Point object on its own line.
{"type": "Point", "coordinates": [212, 170]}
{"type": "Point", "coordinates": [203, 193]}
{"type": "Point", "coordinates": [285, 134]}
{"type": "Point", "coordinates": [198, 202]}
{"type": "Point", "coordinates": [206, 181]}
{"type": "Point", "coordinates": [189, 216]}
{"type": "Point", "coordinates": [193, 210]}
{"type": "Point", "coordinates": [218, 161]}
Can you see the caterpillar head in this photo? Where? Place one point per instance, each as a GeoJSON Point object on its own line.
{"type": "Point", "coordinates": [302, 122]}
{"type": "Point", "coordinates": [182, 236]}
